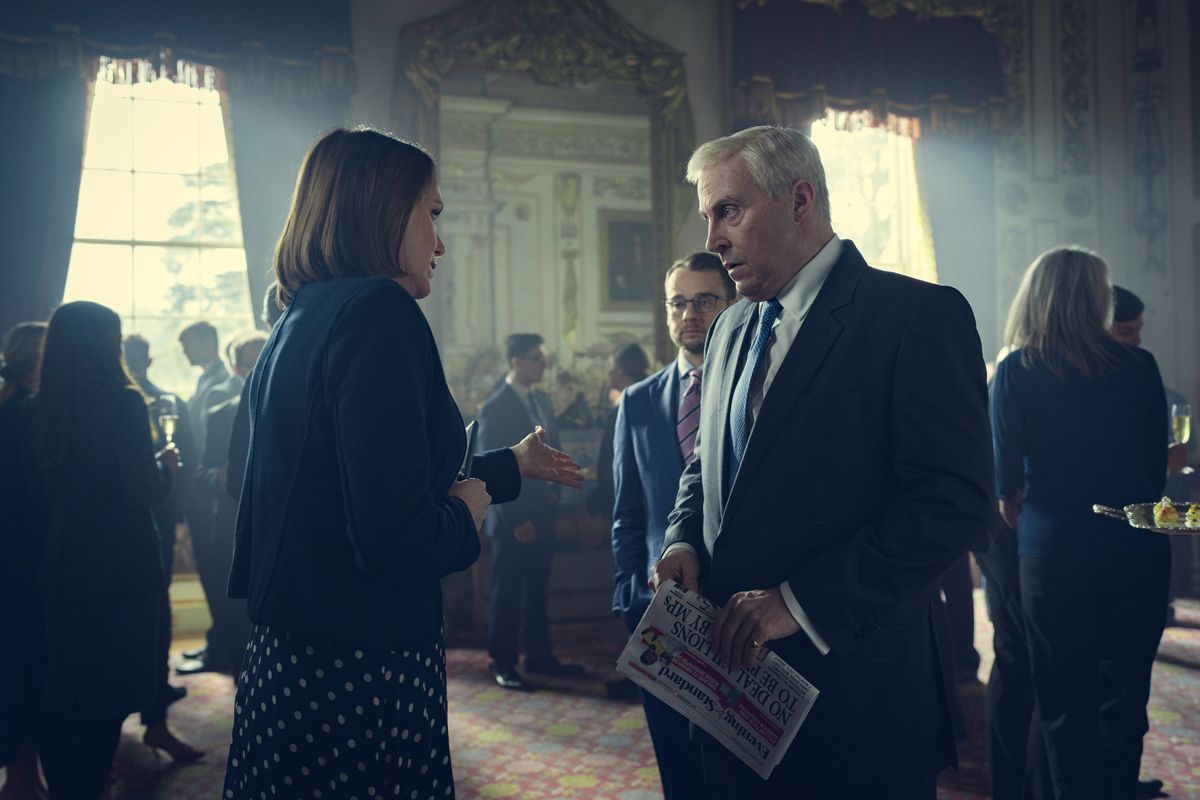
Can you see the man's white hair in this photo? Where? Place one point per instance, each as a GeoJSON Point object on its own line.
{"type": "Point", "coordinates": [775, 157]}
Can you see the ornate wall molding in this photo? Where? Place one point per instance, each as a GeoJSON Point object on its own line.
{"type": "Point", "coordinates": [564, 43]}
{"type": "Point", "coordinates": [557, 142]}
{"type": "Point", "coordinates": [1075, 93]}
{"type": "Point", "coordinates": [1148, 156]}
{"type": "Point", "coordinates": [625, 187]}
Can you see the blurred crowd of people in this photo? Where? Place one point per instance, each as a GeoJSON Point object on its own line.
{"type": "Point", "coordinates": [100, 468]}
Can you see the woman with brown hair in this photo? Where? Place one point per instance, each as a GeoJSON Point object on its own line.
{"type": "Point", "coordinates": [93, 477]}
{"type": "Point", "coordinates": [1078, 419]}
{"type": "Point", "coordinates": [353, 509]}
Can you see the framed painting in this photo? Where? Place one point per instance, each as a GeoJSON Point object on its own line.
{"type": "Point", "coordinates": [627, 271]}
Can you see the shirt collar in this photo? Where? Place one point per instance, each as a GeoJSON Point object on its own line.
{"type": "Point", "coordinates": [798, 295]}
{"type": "Point", "coordinates": [683, 365]}
{"type": "Point", "coordinates": [521, 389]}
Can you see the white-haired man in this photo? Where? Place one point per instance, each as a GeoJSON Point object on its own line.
{"type": "Point", "coordinates": [844, 461]}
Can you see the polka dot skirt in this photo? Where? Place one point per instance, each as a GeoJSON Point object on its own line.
{"type": "Point", "coordinates": [324, 721]}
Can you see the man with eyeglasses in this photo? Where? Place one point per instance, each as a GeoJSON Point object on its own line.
{"type": "Point", "coordinates": [654, 439]}
{"type": "Point", "coordinates": [521, 532]}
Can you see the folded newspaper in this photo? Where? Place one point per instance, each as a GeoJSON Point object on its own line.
{"type": "Point", "coordinates": [754, 712]}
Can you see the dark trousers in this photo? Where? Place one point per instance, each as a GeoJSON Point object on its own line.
{"type": "Point", "coordinates": [1093, 626]}
{"type": "Point", "coordinates": [231, 621]}
{"type": "Point", "coordinates": [1016, 753]}
{"type": "Point", "coordinates": [77, 754]}
{"type": "Point", "coordinates": [212, 579]}
{"type": "Point", "coordinates": [517, 603]}
{"type": "Point", "coordinates": [958, 587]}
{"type": "Point", "coordinates": [166, 536]}
{"type": "Point", "coordinates": [678, 755]}
{"type": "Point", "coordinates": [727, 778]}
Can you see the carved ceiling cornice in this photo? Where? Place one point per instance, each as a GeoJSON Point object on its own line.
{"type": "Point", "coordinates": [560, 42]}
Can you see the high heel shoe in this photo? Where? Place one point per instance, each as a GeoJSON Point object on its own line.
{"type": "Point", "coordinates": [162, 739]}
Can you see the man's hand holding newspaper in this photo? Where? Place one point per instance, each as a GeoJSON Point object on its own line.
{"type": "Point", "coordinates": [754, 712]}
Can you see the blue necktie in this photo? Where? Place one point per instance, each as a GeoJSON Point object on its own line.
{"type": "Point", "coordinates": [739, 413]}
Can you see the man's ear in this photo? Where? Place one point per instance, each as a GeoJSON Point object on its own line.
{"type": "Point", "coordinates": [803, 197]}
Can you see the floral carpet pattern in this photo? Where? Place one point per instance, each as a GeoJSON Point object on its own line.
{"type": "Point", "coordinates": [568, 740]}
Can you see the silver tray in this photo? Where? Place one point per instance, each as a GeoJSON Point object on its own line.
{"type": "Point", "coordinates": [1141, 515]}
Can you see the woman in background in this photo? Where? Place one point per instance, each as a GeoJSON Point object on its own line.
{"type": "Point", "coordinates": [20, 612]}
{"type": "Point", "coordinates": [1078, 419]}
{"type": "Point", "coordinates": [353, 509]}
{"type": "Point", "coordinates": [95, 477]}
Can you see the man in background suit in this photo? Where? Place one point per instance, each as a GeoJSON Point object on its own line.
{"type": "Point", "coordinates": [168, 513]}
{"type": "Point", "coordinates": [200, 346]}
{"type": "Point", "coordinates": [654, 438]}
{"type": "Point", "coordinates": [230, 619]}
{"type": "Point", "coordinates": [843, 462]}
{"type": "Point", "coordinates": [522, 532]}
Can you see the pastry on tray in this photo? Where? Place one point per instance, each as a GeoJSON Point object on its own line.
{"type": "Point", "coordinates": [1193, 516]}
{"type": "Point", "coordinates": [1165, 512]}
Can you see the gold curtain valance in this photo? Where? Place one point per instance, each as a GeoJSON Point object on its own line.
{"type": "Point", "coordinates": [330, 71]}
{"type": "Point", "coordinates": [757, 101]}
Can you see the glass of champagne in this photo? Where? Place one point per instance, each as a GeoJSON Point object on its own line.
{"type": "Point", "coordinates": [1181, 422]}
{"type": "Point", "coordinates": [166, 409]}
{"type": "Point", "coordinates": [1181, 428]}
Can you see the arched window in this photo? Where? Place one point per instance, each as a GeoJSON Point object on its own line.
{"type": "Point", "coordinates": [874, 196]}
{"type": "Point", "coordinates": [158, 232]}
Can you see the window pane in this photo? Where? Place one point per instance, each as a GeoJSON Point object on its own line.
{"type": "Point", "coordinates": [214, 152]}
{"type": "Point", "coordinates": [223, 288]}
{"type": "Point", "coordinates": [221, 223]}
{"type": "Point", "coordinates": [101, 273]}
{"type": "Point", "coordinates": [165, 281]}
{"type": "Point", "coordinates": [110, 133]}
{"type": "Point", "coordinates": [166, 136]}
{"type": "Point", "coordinates": [105, 199]}
{"type": "Point", "coordinates": [166, 207]}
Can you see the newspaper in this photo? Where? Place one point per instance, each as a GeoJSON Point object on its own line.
{"type": "Point", "coordinates": [754, 712]}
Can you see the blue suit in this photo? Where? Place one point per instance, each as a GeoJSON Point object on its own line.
{"type": "Point", "coordinates": [646, 469]}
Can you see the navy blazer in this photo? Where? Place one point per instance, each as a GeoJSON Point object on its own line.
{"type": "Point", "coordinates": [1068, 442]}
{"type": "Point", "coordinates": [867, 473]}
{"type": "Point", "coordinates": [345, 529]}
{"type": "Point", "coordinates": [504, 418]}
{"type": "Point", "coordinates": [646, 469]}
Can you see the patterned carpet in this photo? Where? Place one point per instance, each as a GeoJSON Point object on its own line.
{"type": "Point", "coordinates": [570, 741]}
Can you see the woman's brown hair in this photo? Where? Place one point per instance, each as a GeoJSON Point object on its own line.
{"type": "Point", "coordinates": [81, 359]}
{"type": "Point", "coordinates": [354, 195]}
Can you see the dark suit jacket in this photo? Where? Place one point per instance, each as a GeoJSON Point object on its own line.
{"type": "Point", "coordinates": [867, 473]}
{"type": "Point", "coordinates": [646, 469]}
{"type": "Point", "coordinates": [504, 419]}
{"type": "Point", "coordinates": [345, 528]}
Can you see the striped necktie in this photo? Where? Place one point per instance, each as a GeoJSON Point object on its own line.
{"type": "Point", "coordinates": [689, 416]}
{"type": "Point", "coordinates": [751, 377]}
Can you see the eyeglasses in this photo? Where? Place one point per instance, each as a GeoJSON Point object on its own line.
{"type": "Point", "coordinates": [703, 303]}
{"type": "Point", "coordinates": [535, 359]}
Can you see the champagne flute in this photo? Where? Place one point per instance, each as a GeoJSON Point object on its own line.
{"type": "Point", "coordinates": [166, 408]}
{"type": "Point", "coordinates": [1181, 428]}
{"type": "Point", "coordinates": [1181, 422]}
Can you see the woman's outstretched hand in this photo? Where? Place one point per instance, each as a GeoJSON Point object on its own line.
{"type": "Point", "coordinates": [536, 459]}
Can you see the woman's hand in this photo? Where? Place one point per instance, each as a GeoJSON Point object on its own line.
{"type": "Point", "coordinates": [473, 492]}
{"type": "Point", "coordinates": [169, 458]}
{"type": "Point", "coordinates": [536, 459]}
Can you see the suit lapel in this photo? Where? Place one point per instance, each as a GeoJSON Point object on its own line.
{"type": "Point", "coordinates": [812, 344]}
{"type": "Point", "coordinates": [727, 359]}
{"type": "Point", "coordinates": [664, 401]}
